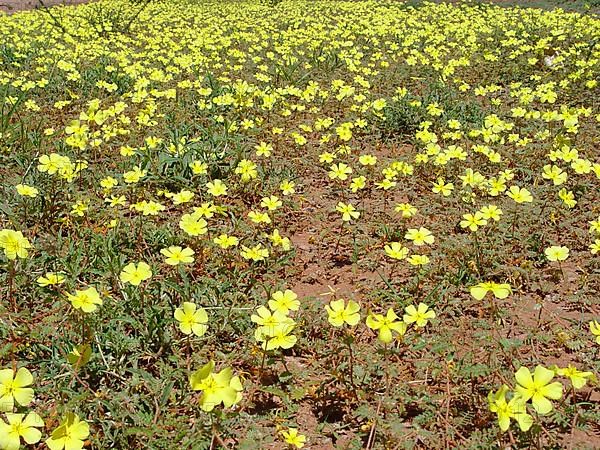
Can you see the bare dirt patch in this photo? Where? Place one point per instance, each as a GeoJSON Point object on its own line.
{"type": "Point", "coordinates": [12, 6]}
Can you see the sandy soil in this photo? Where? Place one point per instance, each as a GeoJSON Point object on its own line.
{"type": "Point", "coordinates": [20, 5]}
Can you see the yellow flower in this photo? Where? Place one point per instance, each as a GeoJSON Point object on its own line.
{"type": "Point", "coordinates": [386, 184]}
{"type": "Point", "coordinates": [473, 221]}
{"type": "Point", "coordinates": [126, 150]}
{"type": "Point", "coordinates": [367, 160]}
{"type": "Point", "coordinates": [108, 183]}
{"type": "Point", "coordinates": [70, 435]}
{"type": "Point", "coordinates": [183, 196]}
{"type": "Point", "coordinates": [134, 175]}
{"type": "Point", "coordinates": [269, 321]}
{"type": "Point", "coordinates": [287, 187]}
{"type": "Point", "coordinates": [247, 170]}
{"type": "Point", "coordinates": [554, 173]}
{"type": "Point", "coordinates": [217, 388]}
{"type": "Point", "coordinates": [17, 428]}
{"type": "Point", "coordinates": [538, 388]}
{"type": "Point", "coordinates": [491, 212]}
{"type": "Point", "coordinates": [595, 330]}
{"type": "Point", "coordinates": [471, 178]}
{"type": "Point", "coordinates": [500, 291]}
{"type": "Point", "coordinates": [421, 236]}
{"type": "Point", "coordinates": [193, 225]}
{"type": "Point", "coordinates": [577, 377]}
{"type": "Point", "coordinates": [292, 437]}
{"type": "Point", "coordinates": [14, 244]}
{"type": "Point", "coordinates": [52, 163]}
{"type": "Point", "coordinates": [557, 253]}
{"type": "Point", "coordinates": [225, 241]}
{"type": "Point", "coordinates": [568, 197]}
{"type": "Point", "coordinates": [135, 274]}
{"type": "Point", "coordinates": [348, 211]}
{"type": "Point", "coordinates": [114, 200]}
{"type": "Point", "coordinates": [278, 240]}
{"type": "Point", "coordinates": [13, 388]}
{"type": "Point", "coordinates": [344, 131]}
{"type": "Point", "coordinates": [299, 139]}
{"type": "Point", "coordinates": [519, 195]}
{"type": "Point", "coordinates": [50, 279]}
{"type": "Point", "coordinates": [198, 167]}
{"type": "Point", "coordinates": [358, 183]}
{"type": "Point", "coordinates": [441, 187]}
{"type": "Point", "coordinates": [326, 157]}
{"type": "Point", "coordinates": [216, 188]}
{"type": "Point", "coordinates": [207, 210]}
{"type": "Point", "coordinates": [263, 149]}
{"type": "Point", "coordinates": [176, 255]}
{"type": "Point", "coordinates": [275, 328]}
{"type": "Point", "coordinates": [340, 171]}
{"type": "Point", "coordinates": [150, 208]}
{"type": "Point", "coordinates": [418, 315]}
{"type": "Point", "coordinates": [385, 325]}
{"type": "Point", "coordinates": [396, 250]}
{"type": "Point", "coordinates": [496, 186]}
{"type": "Point", "coordinates": [595, 226]}
{"type": "Point", "coordinates": [339, 313]}
{"type": "Point", "coordinates": [271, 203]}
{"type": "Point", "coordinates": [418, 260]}
{"type": "Point", "coordinates": [259, 217]}
{"type": "Point", "coordinates": [86, 300]}
{"type": "Point", "coordinates": [379, 104]}
{"type": "Point", "coordinates": [284, 302]}
{"type": "Point", "coordinates": [406, 209]}
{"type": "Point", "coordinates": [513, 409]}
{"type": "Point", "coordinates": [79, 208]}
{"type": "Point", "coordinates": [191, 320]}
{"type": "Point", "coordinates": [280, 337]}
{"type": "Point", "coordinates": [26, 190]}
{"type": "Point", "coordinates": [581, 166]}
{"type": "Point", "coordinates": [256, 253]}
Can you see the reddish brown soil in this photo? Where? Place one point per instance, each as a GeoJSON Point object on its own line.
{"type": "Point", "coordinates": [324, 270]}
{"type": "Point", "coordinates": [11, 6]}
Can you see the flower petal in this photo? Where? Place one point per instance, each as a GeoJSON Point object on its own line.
{"type": "Point", "coordinates": [541, 404]}
{"type": "Point", "coordinates": [523, 377]}
{"type": "Point", "coordinates": [189, 308]}
{"type": "Point", "coordinates": [478, 292]}
{"type": "Point", "coordinates": [553, 390]}
{"type": "Point", "coordinates": [23, 378]}
{"type": "Point", "coordinates": [7, 403]}
{"type": "Point", "coordinates": [542, 376]}
{"type": "Point", "coordinates": [23, 396]}
{"type": "Point", "coordinates": [385, 335]}
{"type": "Point", "coordinates": [33, 420]}
{"type": "Point", "coordinates": [31, 435]}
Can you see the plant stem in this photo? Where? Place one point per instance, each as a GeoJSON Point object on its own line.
{"type": "Point", "coordinates": [11, 277]}
{"type": "Point", "coordinates": [337, 244]}
{"type": "Point", "coordinates": [477, 252]}
{"type": "Point", "coordinates": [351, 361]}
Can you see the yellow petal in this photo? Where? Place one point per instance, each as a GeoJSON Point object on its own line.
{"type": "Point", "coordinates": [23, 378]}
{"type": "Point", "coordinates": [478, 292]}
{"type": "Point", "coordinates": [523, 377]}
{"type": "Point", "coordinates": [542, 376]}
{"type": "Point", "coordinates": [23, 396]}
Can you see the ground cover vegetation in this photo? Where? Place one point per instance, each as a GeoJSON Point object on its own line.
{"type": "Point", "coordinates": [286, 224]}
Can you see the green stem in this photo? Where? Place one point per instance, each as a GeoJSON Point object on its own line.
{"type": "Point", "coordinates": [337, 244]}
{"type": "Point", "coordinates": [11, 277]}
{"type": "Point", "coordinates": [351, 361]}
{"type": "Point", "coordinates": [477, 252]}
